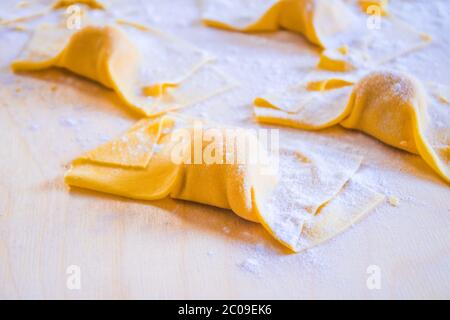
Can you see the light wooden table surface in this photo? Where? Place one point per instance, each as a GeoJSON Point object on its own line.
{"type": "Point", "coordinates": [173, 249]}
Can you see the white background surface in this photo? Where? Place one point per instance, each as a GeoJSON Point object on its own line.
{"type": "Point", "coordinates": [174, 249]}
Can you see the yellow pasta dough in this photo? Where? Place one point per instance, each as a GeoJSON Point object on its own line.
{"type": "Point", "coordinates": [94, 4]}
{"type": "Point", "coordinates": [57, 8]}
{"type": "Point", "coordinates": [351, 40]}
{"type": "Point", "coordinates": [391, 106]}
{"type": "Point", "coordinates": [374, 6]}
{"type": "Point", "coordinates": [336, 60]}
{"type": "Point", "coordinates": [183, 158]}
{"type": "Point", "coordinates": [150, 71]}
{"type": "Point", "coordinates": [318, 20]}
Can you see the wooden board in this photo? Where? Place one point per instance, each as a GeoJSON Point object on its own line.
{"type": "Point", "coordinates": [173, 249]}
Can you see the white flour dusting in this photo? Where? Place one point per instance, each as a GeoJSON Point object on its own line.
{"type": "Point", "coordinates": [250, 265]}
{"type": "Point", "coordinates": [70, 122]}
{"type": "Point", "coordinates": [262, 62]}
{"type": "Point", "coordinates": [33, 127]}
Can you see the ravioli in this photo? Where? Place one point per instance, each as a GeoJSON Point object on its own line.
{"type": "Point", "coordinates": [350, 40]}
{"type": "Point", "coordinates": [318, 20]}
{"type": "Point", "coordinates": [374, 6]}
{"type": "Point", "coordinates": [50, 11]}
{"type": "Point", "coordinates": [151, 72]}
{"type": "Point", "coordinates": [168, 157]}
{"type": "Point", "coordinates": [390, 106]}
{"type": "Point", "coordinates": [93, 4]}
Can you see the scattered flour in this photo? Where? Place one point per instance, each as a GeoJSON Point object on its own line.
{"type": "Point", "coordinates": [33, 127]}
{"type": "Point", "coordinates": [69, 122]}
{"type": "Point", "coordinates": [250, 265]}
{"type": "Point", "coordinates": [103, 139]}
{"type": "Point", "coordinates": [157, 148]}
{"type": "Point", "coordinates": [386, 171]}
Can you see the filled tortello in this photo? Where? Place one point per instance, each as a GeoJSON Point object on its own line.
{"type": "Point", "coordinates": [152, 72]}
{"type": "Point", "coordinates": [391, 106]}
{"type": "Point", "coordinates": [231, 168]}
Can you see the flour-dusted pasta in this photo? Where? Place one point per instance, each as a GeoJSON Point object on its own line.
{"type": "Point", "coordinates": [391, 106]}
{"type": "Point", "coordinates": [145, 164]}
{"type": "Point", "coordinates": [152, 72]}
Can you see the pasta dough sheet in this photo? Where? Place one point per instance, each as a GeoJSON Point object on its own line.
{"type": "Point", "coordinates": [372, 7]}
{"type": "Point", "coordinates": [141, 165]}
{"type": "Point", "coordinates": [351, 39]}
{"type": "Point", "coordinates": [36, 11]}
{"type": "Point", "coordinates": [318, 20]}
{"type": "Point", "coordinates": [354, 201]}
{"type": "Point", "coordinates": [152, 72]}
{"type": "Point", "coordinates": [390, 106]}
{"type": "Point", "coordinates": [316, 103]}
{"type": "Point", "coordinates": [94, 4]}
